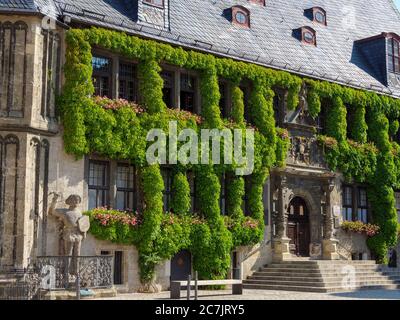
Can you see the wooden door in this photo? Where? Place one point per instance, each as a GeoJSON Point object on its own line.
{"type": "Point", "coordinates": [181, 265]}
{"type": "Point", "coordinates": [298, 228]}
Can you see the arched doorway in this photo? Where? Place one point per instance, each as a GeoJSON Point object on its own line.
{"type": "Point", "coordinates": [181, 265]}
{"type": "Point", "coordinates": [298, 229]}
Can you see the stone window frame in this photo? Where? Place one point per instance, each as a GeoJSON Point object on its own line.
{"type": "Point", "coordinates": [355, 202]}
{"type": "Point", "coordinates": [116, 60]}
{"type": "Point", "coordinates": [111, 198]}
{"type": "Point", "coordinates": [104, 188]}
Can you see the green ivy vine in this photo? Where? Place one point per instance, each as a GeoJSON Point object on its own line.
{"type": "Point", "coordinates": [117, 129]}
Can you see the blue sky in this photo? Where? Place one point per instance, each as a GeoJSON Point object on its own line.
{"type": "Point", "coordinates": [397, 3]}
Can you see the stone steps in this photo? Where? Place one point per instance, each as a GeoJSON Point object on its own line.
{"type": "Point", "coordinates": [322, 276]}
{"type": "Point", "coordinates": [321, 284]}
{"type": "Point", "coordinates": [318, 289]}
{"type": "Point", "coordinates": [322, 279]}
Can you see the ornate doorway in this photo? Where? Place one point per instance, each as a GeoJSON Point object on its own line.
{"type": "Point", "coordinates": [298, 229]}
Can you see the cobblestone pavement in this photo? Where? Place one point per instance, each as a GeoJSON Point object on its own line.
{"type": "Point", "coordinates": [269, 295]}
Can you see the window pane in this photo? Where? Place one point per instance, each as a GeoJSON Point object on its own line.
{"type": "Point", "coordinates": [187, 101]}
{"type": "Point", "coordinates": [101, 64]}
{"type": "Point", "coordinates": [187, 83]}
{"type": "Point", "coordinates": [390, 46]}
{"type": "Point", "coordinates": [362, 201]}
{"type": "Point", "coordinates": [120, 201]}
{"type": "Point", "coordinates": [104, 87]}
{"type": "Point", "coordinates": [98, 174]}
{"type": "Point", "coordinates": [125, 177]}
{"type": "Point", "coordinates": [127, 79]}
{"type": "Point", "coordinates": [92, 199]}
{"type": "Point", "coordinates": [348, 196]}
{"type": "Point", "coordinates": [168, 78]}
{"type": "Point", "coordinates": [396, 48]}
{"type": "Point", "coordinates": [391, 64]}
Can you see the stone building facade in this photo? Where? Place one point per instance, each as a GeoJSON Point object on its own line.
{"type": "Point", "coordinates": [303, 202]}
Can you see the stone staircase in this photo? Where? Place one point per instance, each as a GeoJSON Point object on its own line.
{"type": "Point", "coordinates": [324, 276]}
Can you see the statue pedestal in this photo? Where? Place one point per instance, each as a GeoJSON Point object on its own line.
{"type": "Point", "coordinates": [281, 250]}
{"type": "Point", "coordinates": [330, 249]}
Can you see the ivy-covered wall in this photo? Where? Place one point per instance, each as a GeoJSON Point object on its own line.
{"type": "Point", "coordinates": [117, 129]}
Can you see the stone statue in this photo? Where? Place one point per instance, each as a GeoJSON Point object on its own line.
{"type": "Point", "coordinates": [75, 225]}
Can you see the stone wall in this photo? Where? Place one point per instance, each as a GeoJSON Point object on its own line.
{"type": "Point", "coordinates": [252, 258]}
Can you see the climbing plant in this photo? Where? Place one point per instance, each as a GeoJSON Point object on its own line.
{"type": "Point", "coordinates": [117, 129]}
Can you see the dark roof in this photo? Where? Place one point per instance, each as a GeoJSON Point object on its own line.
{"type": "Point", "coordinates": [201, 24]}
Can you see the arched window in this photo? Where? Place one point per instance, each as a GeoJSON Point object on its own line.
{"type": "Point", "coordinates": [308, 36]}
{"type": "Point", "coordinates": [241, 16]}
{"type": "Point", "coordinates": [394, 55]}
{"type": "Point", "coordinates": [319, 15]}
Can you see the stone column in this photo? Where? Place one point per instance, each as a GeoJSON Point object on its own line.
{"type": "Point", "coordinates": [329, 243]}
{"type": "Point", "coordinates": [281, 241]}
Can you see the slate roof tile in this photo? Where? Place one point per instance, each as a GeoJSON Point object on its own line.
{"type": "Point", "coordinates": [269, 40]}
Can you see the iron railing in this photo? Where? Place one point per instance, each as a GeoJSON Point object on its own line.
{"type": "Point", "coordinates": [61, 272]}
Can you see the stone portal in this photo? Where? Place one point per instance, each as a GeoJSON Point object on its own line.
{"type": "Point", "coordinates": [302, 215]}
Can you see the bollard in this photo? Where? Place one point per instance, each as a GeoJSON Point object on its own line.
{"type": "Point", "coordinates": [196, 278]}
{"type": "Point", "coordinates": [188, 286]}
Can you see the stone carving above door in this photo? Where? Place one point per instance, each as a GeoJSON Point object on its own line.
{"type": "Point", "coordinates": [305, 151]}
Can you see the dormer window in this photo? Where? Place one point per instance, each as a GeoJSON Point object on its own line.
{"type": "Point", "coordinates": [308, 36]}
{"type": "Point", "coordinates": [241, 16]}
{"type": "Point", "coordinates": [260, 2]}
{"type": "Point", "coordinates": [319, 15]}
{"type": "Point", "coordinates": [393, 55]}
{"type": "Point", "coordinates": [316, 14]}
